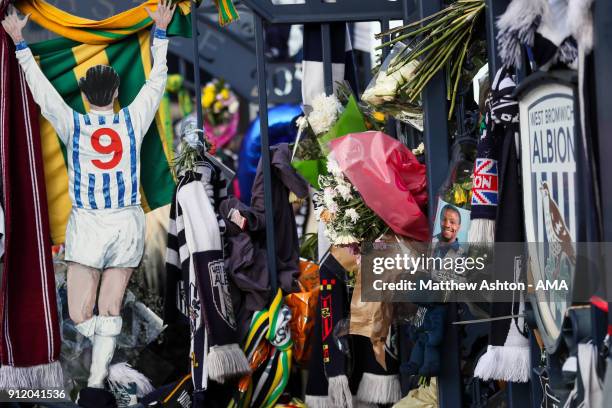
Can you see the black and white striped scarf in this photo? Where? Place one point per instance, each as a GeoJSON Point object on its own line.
{"type": "Point", "coordinates": [343, 65]}
{"type": "Point", "coordinates": [197, 286]}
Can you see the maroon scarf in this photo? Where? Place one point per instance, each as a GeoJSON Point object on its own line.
{"type": "Point", "coordinates": [29, 329]}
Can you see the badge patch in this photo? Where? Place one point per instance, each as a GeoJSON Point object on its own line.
{"type": "Point", "coordinates": [221, 295]}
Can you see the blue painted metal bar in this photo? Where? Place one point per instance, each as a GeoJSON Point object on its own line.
{"type": "Point", "coordinates": [328, 78]}
{"type": "Point", "coordinates": [322, 12]}
{"type": "Point", "coordinates": [265, 152]}
{"type": "Point", "coordinates": [384, 24]}
{"type": "Point", "coordinates": [602, 19]}
{"type": "Point", "coordinates": [435, 123]}
{"type": "Point", "coordinates": [196, 63]}
{"type": "Point", "coordinates": [437, 160]}
{"type": "Point", "coordinates": [536, 393]}
{"type": "Point", "coordinates": [493, 9]}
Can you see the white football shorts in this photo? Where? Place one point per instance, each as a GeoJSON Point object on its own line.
{"type": "Point", "coordinates": [106, 238]}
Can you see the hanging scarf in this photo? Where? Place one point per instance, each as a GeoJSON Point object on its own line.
{"type": "Point", "coordinates": [334, 307]}
{"type": "Point", "coordinates": [110, 29]}
{"type": "Point", "coordinates": [379, 384]}
{"type": "Point", "coordinates": [29, 334]}
{"type": "Point", "coordinates": [501, 110]}
{"type": "Point", "coordinates": [202, 291]}
{"type": "Point", "coordinates": [507, 357]}
{"type": "Point", "coordinates": [268, 349]}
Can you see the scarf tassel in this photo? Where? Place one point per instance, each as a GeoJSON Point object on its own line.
{"type": "Point", "coordinates": [482, 231]}
{"type": "Point", "coordinates": [379, 389]}
{"type": "Point", "coordinates": [510, 362]}
{"type": "Point", "coordinates": [318, 401]}
{"type": "Point", "coordinates": [227, 11]}
{"type": "Point", "coordinates": [339, 391]}
{"type": "Point", "coordinates": [38, 376]}
{"type": "Point", "coordinates": [225, 362]}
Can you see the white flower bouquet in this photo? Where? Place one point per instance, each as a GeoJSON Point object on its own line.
{"type": "Point", "coordinates": [326, 119]}
{"type": "Point", "coordinates": [387, 92]}
{"type": "Point", "coordinates": [348, 221]}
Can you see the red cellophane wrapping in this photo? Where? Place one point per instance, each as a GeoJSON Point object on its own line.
{"type": "Point", "coordinates": [389, 177]}
{"type": "Point", "coordinates": [303, 305]}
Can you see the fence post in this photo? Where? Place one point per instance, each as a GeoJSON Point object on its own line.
{"type": "Point", "coordinates": [196, 64]}
{"type": "Point", "coordinates": [602, 21]}
{"type": "Point", "coordinates": [435, 135]}
{"type": "Point", "coordinates": [265, 151]}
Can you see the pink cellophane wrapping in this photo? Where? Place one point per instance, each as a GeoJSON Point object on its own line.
{"type": "Point", "coordinates": [389, 177]}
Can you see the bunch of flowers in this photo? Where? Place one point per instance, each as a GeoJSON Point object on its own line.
{"type": "Point", "coordinates": [387, 91]}
{"type": "Point", "coordinates": [347, 219]}
{"type": "Point", "coordinates": [220, 109]}
{"type": "Point", "coordinates": [218, 103]}
{"type": "Point", "coordinates": [318, 119]}
{"type": "Point", "coordinates": [438, 42]}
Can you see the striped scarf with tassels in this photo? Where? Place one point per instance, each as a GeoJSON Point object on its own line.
{"type": "Point", "coordinates": [29, 330]}
{"type": "Point", "coordinates": [269, 350]}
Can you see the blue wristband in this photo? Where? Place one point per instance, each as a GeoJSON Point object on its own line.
{"type": "Point", "coordinates": [159, 33]}
{"type": "Point", "coordinates": [21, 45]}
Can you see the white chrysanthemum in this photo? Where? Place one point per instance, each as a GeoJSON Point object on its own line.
{"type": "Point", "coordinates": [324, 113]}
{"type": "Point", "coordinates": [344, 189]}
{"type": "Point", "coordinates": [345, 238]}
{"type": "Point", "coordinates": [333, 207]}
{"type": "Point", "coordinates": [328, 196]}
{"type": "Point", "coordinates": [301, 123]}
{"type": "Point", "coordinates": [352, 214]}
{"type": "Point", "coordinates": [333, 168]}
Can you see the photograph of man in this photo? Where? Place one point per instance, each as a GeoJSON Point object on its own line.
{"type": "Point", "coordinates": [447, 239]}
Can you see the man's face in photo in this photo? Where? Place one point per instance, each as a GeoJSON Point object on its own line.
{"type": "Point", "coordinates": [450, 225]}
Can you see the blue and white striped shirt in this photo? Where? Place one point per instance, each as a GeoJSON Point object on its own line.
{"type": "Point", "coordinates": [103, 147]}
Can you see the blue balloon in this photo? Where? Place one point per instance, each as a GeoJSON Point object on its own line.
{"type": "Point", "coordinates": [282, 129]}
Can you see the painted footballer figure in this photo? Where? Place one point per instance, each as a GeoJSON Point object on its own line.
{"type": "Point", "coordinates": [106, 229]}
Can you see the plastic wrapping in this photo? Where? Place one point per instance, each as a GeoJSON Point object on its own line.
{"type": "Point", "coordinates": [383, 92]}
{"type": "Point", "coordinates": [389, 177]}
{"type": "Point", "coordinates": [303, 306]}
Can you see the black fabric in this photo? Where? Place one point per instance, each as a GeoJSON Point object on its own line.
{"type": "Point", "coordinates": [327, 358]}
{"type": "Point", "coordinates": [217, 308]}
{"type": "Point", "coordinates": [205, 303]}
{"type": "Point", "coordinates": [246, 261]}
{"type": "Point", "coordinates": [364, 360]}
{"type": "Point", "coordinates": [509, 227]}
{"type": "Point", "coordinates": [313, 49]}
{"type": "Point", "coordinates": [334, 307]}
{"type": "Point", "coordinates": [340, 53]}
{"type": "Point", "coordinates": [316, 384]}
{"type": "Point", "coordinates": [96, 398]}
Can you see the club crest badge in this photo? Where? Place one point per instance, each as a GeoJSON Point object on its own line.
{"type": "Point", "coordinates": [221, 295]}
{"type": "Point", "coordinates": [549, 147]}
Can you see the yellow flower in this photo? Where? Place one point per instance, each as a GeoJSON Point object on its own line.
{"type": "Point", "coordinates": [207, 99]}
{"type": "Point", "coordinates": [379, 116]}
{"type": "Point", "coordinates": [174, 83]}
{"type": "Point", "coordinates": [460, 196]}
{"type": "Point", "coordinates": [209, 88]}
{"type": "Point", "coordinates": [218, 106]}
{"type": "Point", "coordinates": [225, 93]}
